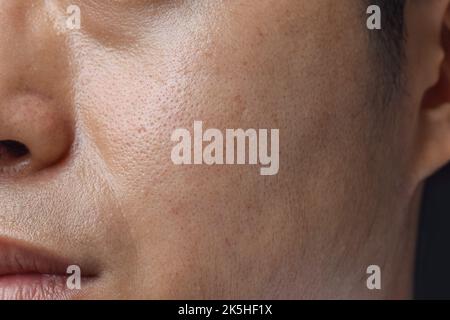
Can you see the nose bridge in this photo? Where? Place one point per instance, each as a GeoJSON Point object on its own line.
{"type": "Point", "coordinates": [13, 25]}
{"type": "Point", "coordinates": [35, 102]}
{"type": "Point", "coordinates": [33, 53]}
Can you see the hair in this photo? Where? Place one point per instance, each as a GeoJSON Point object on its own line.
{"type": "Point", "coordinates": [388, 45]}
{"type": "Point", "coordinates": [392, 35]}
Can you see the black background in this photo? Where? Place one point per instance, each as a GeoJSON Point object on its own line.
{"type": "Point", "coordinates": [433, 249]}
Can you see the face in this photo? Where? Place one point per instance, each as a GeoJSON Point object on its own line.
{"type": "Point", "coordinates": [96, 108]}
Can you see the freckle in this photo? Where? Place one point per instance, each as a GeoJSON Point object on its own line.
{"type": "Point", "coordinates": [142, 130]}
{"type": "Point", "coordinates": [260, 33]}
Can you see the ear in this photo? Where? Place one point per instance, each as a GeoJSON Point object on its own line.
{"type": "Point", "coordinates": [433, 81]}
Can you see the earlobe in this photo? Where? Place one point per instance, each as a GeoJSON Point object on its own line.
{"type": "Point", "coordinates": [434, 140]}
{"type": "Point", "coordinates": [433, 135]}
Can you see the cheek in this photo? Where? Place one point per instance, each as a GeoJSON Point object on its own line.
{"type": "Point", "coordinates": [216, 67]}
{"type": "Point", "coordinates": [228, 73]}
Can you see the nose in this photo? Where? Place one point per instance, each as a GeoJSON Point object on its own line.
{"type": "Point", "coordinates": [36, 120]}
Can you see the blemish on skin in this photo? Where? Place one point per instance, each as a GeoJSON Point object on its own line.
{"type": "Point", "coordinates": [142, 130]}
{"type": "Point", "coordinates": [174, 211]}
{"type": "Point", "coordinates": [260, 33]}
{"type": "Point", "coordinates": [238, 100]}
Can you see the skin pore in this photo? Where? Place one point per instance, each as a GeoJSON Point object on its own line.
{"type": "Point", "coordinates": [96, 107]}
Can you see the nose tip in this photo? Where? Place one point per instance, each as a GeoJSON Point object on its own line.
{"type": "Point", "coordinates": [35, 134]}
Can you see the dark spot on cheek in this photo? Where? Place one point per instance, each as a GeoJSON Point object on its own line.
{"type": "Point", "coordinates": [142, 130]}
{"type": "Point", "coordinates": [238, 99]}
{"type": "Point", "coordinates": [260, 33]}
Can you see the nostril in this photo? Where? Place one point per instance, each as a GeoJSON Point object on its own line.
{"type": "Point", "coordinates": [12, 153]}
{"type": "Point", "coordinates": [36, 132]}
{"type": "Point", "coordinates": [13, 149]}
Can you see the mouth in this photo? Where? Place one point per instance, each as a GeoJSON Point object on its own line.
{"type": "Point", "coordinates": [29, 273]}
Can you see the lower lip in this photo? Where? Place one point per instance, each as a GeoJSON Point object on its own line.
{"type": "Point", "coordinates": [34, 287]}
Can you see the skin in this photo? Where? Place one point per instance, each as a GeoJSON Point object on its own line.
{"type": "Point", "coordinates": [96, 108]}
